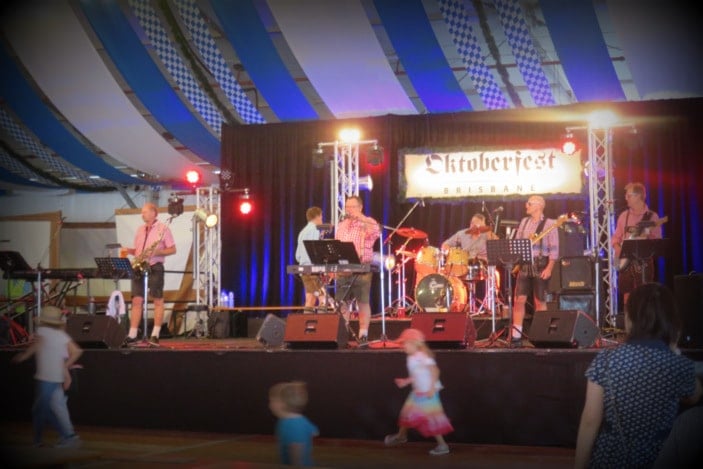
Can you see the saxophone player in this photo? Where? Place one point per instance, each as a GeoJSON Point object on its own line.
{"type": "Point", "coordinates": [153, 241]}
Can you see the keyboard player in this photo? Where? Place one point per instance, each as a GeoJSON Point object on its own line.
{"type": "Point", "coordinates": [363, 232]}
{"type": "Point", "coordinates": [313, 284]}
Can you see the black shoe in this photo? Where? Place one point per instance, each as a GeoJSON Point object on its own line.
{"type": "Point", "coordinates": [363, 341]}
{"type": "Point", "coordinates": [515, 343]}
{"type": "Point", "coordinates": [129, 341]}
{"type": "Point", "coordinates": [153, 340]}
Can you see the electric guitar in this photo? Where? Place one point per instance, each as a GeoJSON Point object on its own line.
{"type": "Point", "coordinates": [537, 236]}
{"type": "Point", "coordinates": [636, 232]}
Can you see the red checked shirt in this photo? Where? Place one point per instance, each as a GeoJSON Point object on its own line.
{"type": "Point", "coordinates": [362, 233]}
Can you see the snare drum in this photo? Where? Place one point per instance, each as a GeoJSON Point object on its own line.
{"type": "Point", "coordinates": [440, 293]}
{"type": "Point", "coordinates": [427, 261]}
{"type": "Point", "coordinates": [457, 262]}
{"type": "Point", "coordinates": [477, 270]}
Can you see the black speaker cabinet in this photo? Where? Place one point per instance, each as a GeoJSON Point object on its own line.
{"type": "Point", "coordinates": [577, 273]}
{"type": "Point", "coordinates": [688, 292]}
{"type": "Point", "coordinates": [271, 331]}
{"type": "Point", "coordinates": [562, 329]}
{"type": "Point", "coordinates": [315, 331]}
{"type": "Point", "coordinates": [579, 300]}
{"type": "Point", "coordinates": [444, 330]}
{"type": "Point", "coordinates": [95, 331]}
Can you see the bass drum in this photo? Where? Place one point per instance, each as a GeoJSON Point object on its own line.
{"type": "Point", "coordinates": [438, 293]}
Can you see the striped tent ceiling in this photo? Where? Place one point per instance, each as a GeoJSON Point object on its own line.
{"type": "Point", "coordinates": [99, 94]}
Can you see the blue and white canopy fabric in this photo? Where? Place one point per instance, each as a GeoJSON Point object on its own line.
{"type": "Point", "coordinates": [100, 93]}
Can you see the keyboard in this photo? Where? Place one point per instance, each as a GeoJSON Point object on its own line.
{"type": "Point", "coordinates": [54, 274]}
{"type": "Point", "coordinates": [328, 269]}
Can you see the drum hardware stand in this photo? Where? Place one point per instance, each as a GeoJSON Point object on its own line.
{"type": "Point", "coordinates": [507, 252]}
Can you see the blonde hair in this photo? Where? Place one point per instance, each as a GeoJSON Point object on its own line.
{"type": "Point", "coordinates": [293, 394]}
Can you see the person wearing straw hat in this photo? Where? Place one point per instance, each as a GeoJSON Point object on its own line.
{"type": "Point", "coordinates": [55, 354]}
{"type": "Point", "coordinates": [422, 409]}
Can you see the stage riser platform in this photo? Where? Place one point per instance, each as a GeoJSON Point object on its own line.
{"type": "Point", "coordinates": [492, 396]}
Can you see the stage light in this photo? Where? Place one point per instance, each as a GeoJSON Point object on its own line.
{"type": "Point", "coordinates": [350, 135]}
{"type": "Point", "coordinates": [175, 206]}
{"type": "Point", "coordinates": [193, 177]}
{"type": "Point", "coordinates": [210, 219]}
{"type": "Point", "coordinates": [569, 145]}
{"type": "Point", "coordinates": [374, 156]}
{"type": "Point", "coordinates": [245, 205]}
{"type": "Point", "coordinates": [366, 183]}
{"type": "Point", "coordinates": [318, 158]}
{"type": "Point", "coordinates": [381, 260]}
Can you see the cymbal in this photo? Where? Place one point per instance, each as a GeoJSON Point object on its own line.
{"type": "Point", "coordinates": [411, 233]}
{"type": "Point", "coordinates": [478, 230]}
{"type": "Point", "coordinates": [406, 253]}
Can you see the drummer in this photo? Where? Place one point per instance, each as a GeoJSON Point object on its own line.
{"type": "Point", "coordinates": [472, 240]}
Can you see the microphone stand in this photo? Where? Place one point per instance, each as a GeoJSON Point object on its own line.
{"type": "Point", "coordinates": [384, 337]}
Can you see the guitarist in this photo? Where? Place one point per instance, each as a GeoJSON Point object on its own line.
{"type": "Point", "coordinates": [629, 226]}
{"type": "Point", "coordinates": [545, 252]}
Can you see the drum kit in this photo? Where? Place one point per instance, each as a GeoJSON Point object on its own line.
{"type": "Point", "coordinates": [445, 281]}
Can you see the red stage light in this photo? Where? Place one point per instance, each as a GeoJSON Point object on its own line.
{"type": "Point", "coordinates": [193, 177]}
{"type": "Point", "coordinates": [245, 207]}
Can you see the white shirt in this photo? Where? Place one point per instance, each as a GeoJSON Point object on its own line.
{"type": "Point", "coordinates": [51, 354]}
{"type": "Point", "coordinates": [420, 370]}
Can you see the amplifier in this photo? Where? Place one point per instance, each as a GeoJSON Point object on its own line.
{"type": "Point", "coordinates": [577, 273]}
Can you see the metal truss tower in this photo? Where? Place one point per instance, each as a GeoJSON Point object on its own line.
{"type": "Point", "coordinates": [207, 248]}
{"type": "Point", "coordinates": [602, 219]}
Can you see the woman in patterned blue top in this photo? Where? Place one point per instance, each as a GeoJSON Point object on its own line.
{"type": "Point", "coordinates": [633, 391]}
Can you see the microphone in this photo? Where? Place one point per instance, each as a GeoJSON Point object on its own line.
{"type": "Point", "coordinates": [498, 210]}
{"type": "Point", "coordinates": [483, 206]}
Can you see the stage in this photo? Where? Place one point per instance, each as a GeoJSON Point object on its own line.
{"type": "Point", "coordinates": [492, 394]}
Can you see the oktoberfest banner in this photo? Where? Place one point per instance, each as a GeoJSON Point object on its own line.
{"type": "Point", "coordinates": [503, 173]}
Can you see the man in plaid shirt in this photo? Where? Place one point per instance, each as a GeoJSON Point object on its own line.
{"type": "Point", "coordinates": [363, 231]}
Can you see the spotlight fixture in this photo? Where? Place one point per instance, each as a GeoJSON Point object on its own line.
{"type": "Point", "coordinates": [175, 205]}
{"type": "Point", "coordinates": [245, 205]}
{"type": "Point", "coordinates": [318, 158]}
{"type": "Point", "coordinates": [193, 178]}
{"type": "Point", "coordinates": [365, 183]}
{"type": "Point", "coordinates": [210, 219]}
{"type": "Point", "coordinates": [569, 145]}
{"type": "Point", "coordinates": [374, 156]}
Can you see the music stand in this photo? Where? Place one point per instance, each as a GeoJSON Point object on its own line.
{"type": "Point", "coordinates": [331, 251]}
{"type": "Point", "coordinates": [334, 251]}
{"type": "Point", "coordinates": [115, 268]}
{"type": "Point", "coordinates": [639, 250]}
{"type": "Point", "coordinates": [11, 261]}
{"type": "Point", "coordinates": [508, 252]}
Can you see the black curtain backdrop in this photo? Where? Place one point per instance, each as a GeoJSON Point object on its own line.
{"type": "Point", "coordinates": [275, 162]}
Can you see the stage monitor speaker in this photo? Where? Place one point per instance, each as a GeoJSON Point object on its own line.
{"type": "Point", "coordinates": [688, 292]}
{"type": "Point", "coordinates": [562, 329]}
{"type": "Point", "coordinates": [579, 300]}
{"type": "Point", "coordinates": [95, 331]}
{"type": "Point", "coordinates": [577, 273]}
{"type": "Point", "coordinates": [445, 330]}
{"type": "Point", "coordinates": [316, 331]}
{"type": "Point", "coordinates": [271, 331]}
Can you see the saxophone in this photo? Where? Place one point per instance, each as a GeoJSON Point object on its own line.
{"type": "Point", "coordinates": [140, 263]}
